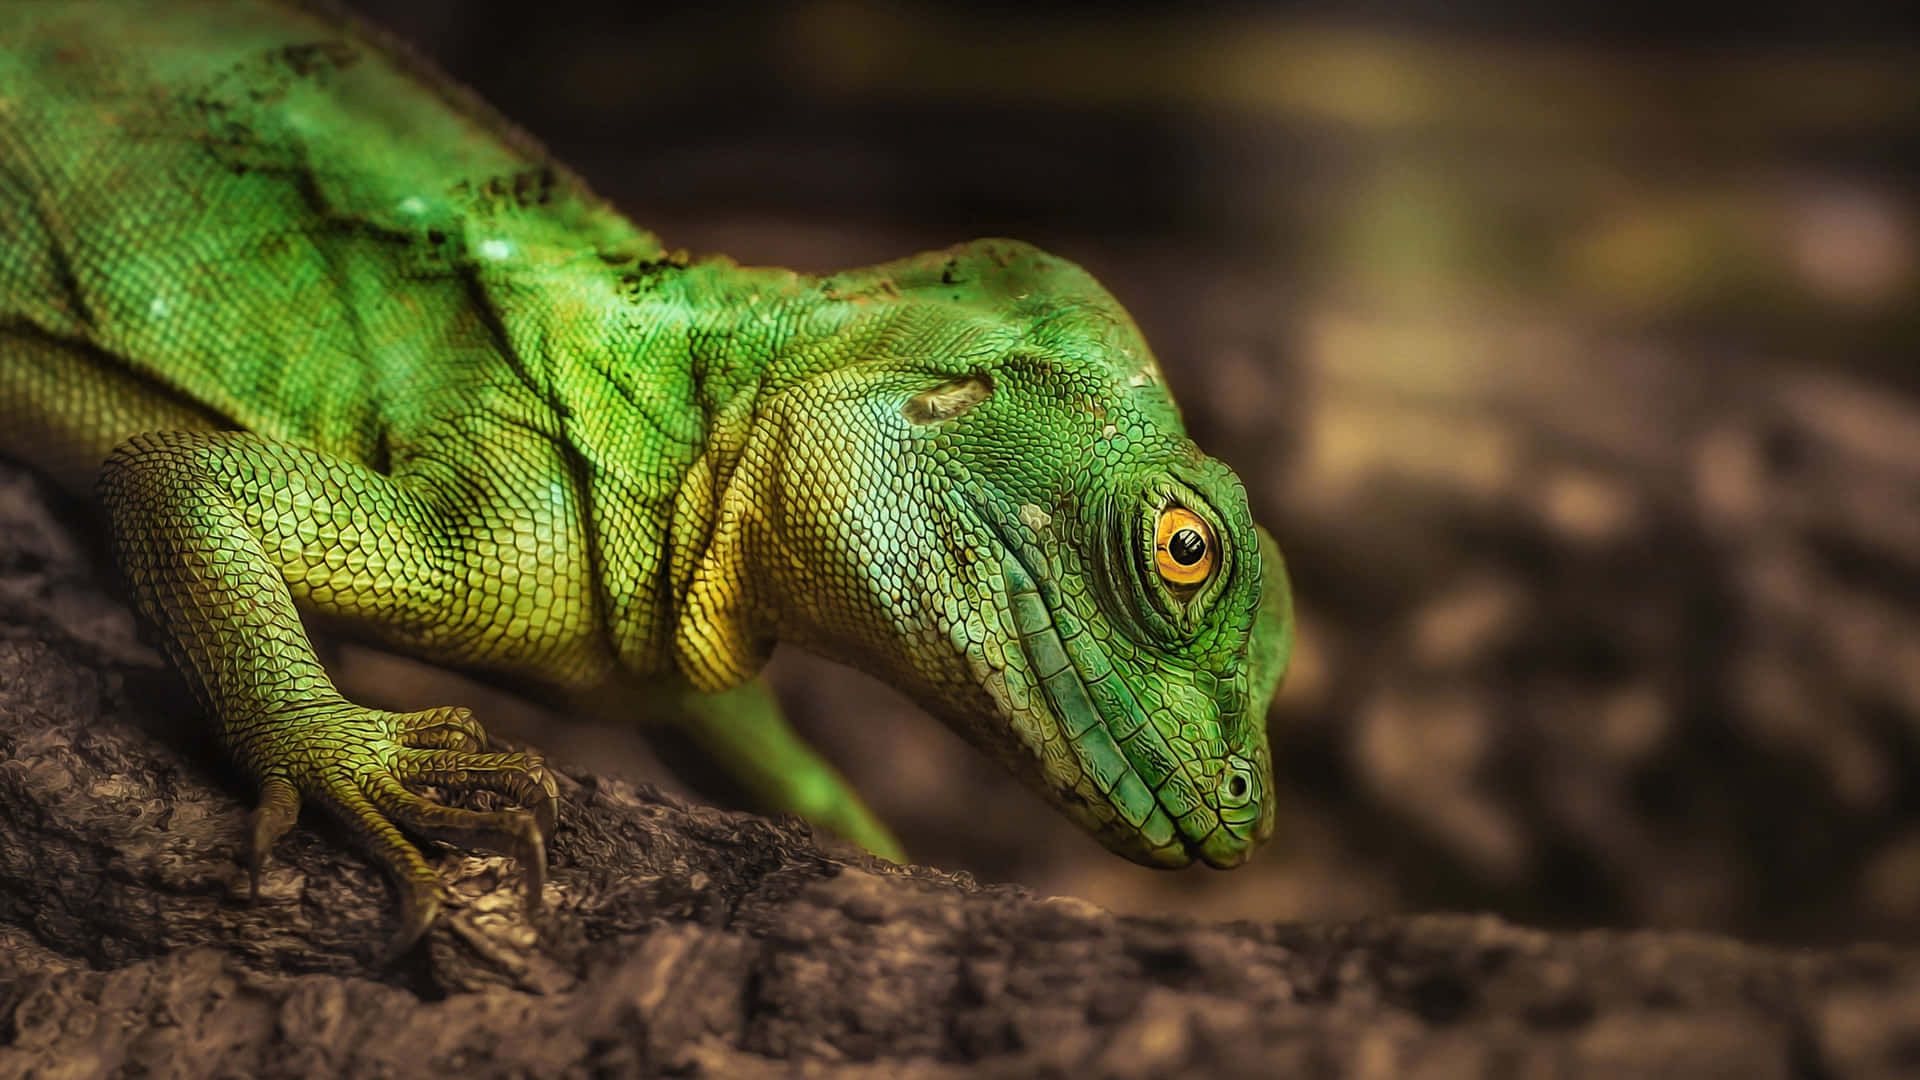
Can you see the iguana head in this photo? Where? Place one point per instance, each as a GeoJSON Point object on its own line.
{"type": "Point", "coordinates": [987, 499]}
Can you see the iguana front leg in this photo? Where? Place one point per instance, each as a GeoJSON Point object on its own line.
{"type": "Point", "coordinates": [219, 533]}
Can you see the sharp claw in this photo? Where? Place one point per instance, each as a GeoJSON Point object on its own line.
{"type": "Point", "coordinates": [545, 803]}
{"type": "Point", "coordinates": [419, 906]}
{"type": "Point", "coordinates": [533, 870]}
{"type": "Point", "coordinates": [279, 808]}
{"type": "Point", "coordinates": [515, 833]}
{"type": "Point", "coordinates": [546, 816]}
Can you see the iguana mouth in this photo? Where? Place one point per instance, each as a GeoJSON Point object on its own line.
{"type": "Point", "coordinates": [1111, 738]}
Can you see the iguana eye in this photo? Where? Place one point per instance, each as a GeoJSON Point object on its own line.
{"type": "Point", "coordinates": [1183, 547]}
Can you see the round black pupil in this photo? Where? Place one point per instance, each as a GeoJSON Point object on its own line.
{"type": "Point", "coordinates": [1187, 547]}
{"type": "Point", "coordinates": [1237, 786]}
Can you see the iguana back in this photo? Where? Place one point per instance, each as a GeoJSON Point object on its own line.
{"type": "Point", "coordinates": [268, 214]}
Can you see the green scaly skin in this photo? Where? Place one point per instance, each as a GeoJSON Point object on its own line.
{"type": "Point", "coordinates": [351, 346]}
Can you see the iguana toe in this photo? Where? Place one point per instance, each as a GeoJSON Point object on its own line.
{"type": "Point", "coordinates": [522, 778]}
{"type": "Point", "coordinates": [449, 728]}
{"type": "Point", "coordinates": [361, 765]}
{"type": "Point", "coordinates": [279, 808]}
{"type": "Point", "coordinates": [516, 833]}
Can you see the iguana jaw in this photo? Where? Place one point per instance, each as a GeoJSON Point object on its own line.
{"type": "Point", "coordinates": [1096, 746]}
{"type": "Point", "coordinates": [1143, 832]}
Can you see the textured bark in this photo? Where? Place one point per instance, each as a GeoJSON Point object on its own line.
{"type": "Point", "coordinates": [688, 940]}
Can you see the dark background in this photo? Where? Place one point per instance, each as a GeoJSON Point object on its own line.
{"type": "Point", "coordinates": [1571, 351]}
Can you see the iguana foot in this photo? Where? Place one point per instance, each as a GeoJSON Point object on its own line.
{"type": "Point", "coordinates": [361, 765]}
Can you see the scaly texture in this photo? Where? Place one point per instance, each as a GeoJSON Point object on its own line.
{"type": "Point", "coordinates": [366, 353]}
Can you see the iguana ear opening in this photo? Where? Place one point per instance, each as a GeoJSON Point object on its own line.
{"type": "Point", "coordinates": [948, 400]}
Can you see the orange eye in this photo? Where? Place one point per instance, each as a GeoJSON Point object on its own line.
{"type": "Point", "coordinates": [1183, 547]}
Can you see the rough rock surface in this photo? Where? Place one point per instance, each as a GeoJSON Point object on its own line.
{"type": "Point", "coordinates": [683, 940]}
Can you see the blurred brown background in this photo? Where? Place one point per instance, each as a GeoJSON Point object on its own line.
{"type": "Point", "coordinates": [1573, 355]}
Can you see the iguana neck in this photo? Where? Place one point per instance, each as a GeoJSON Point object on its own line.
{"type": "Point", "coordinates": [757, 334]}
{"type": "Point", "coordinates": [663, 419]}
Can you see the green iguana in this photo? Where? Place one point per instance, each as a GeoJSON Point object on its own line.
{"type": "Point", "coordinates": [349, 345]}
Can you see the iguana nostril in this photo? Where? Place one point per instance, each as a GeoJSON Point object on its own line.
{"type": "Point", "coordinates": [1236, 787]}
